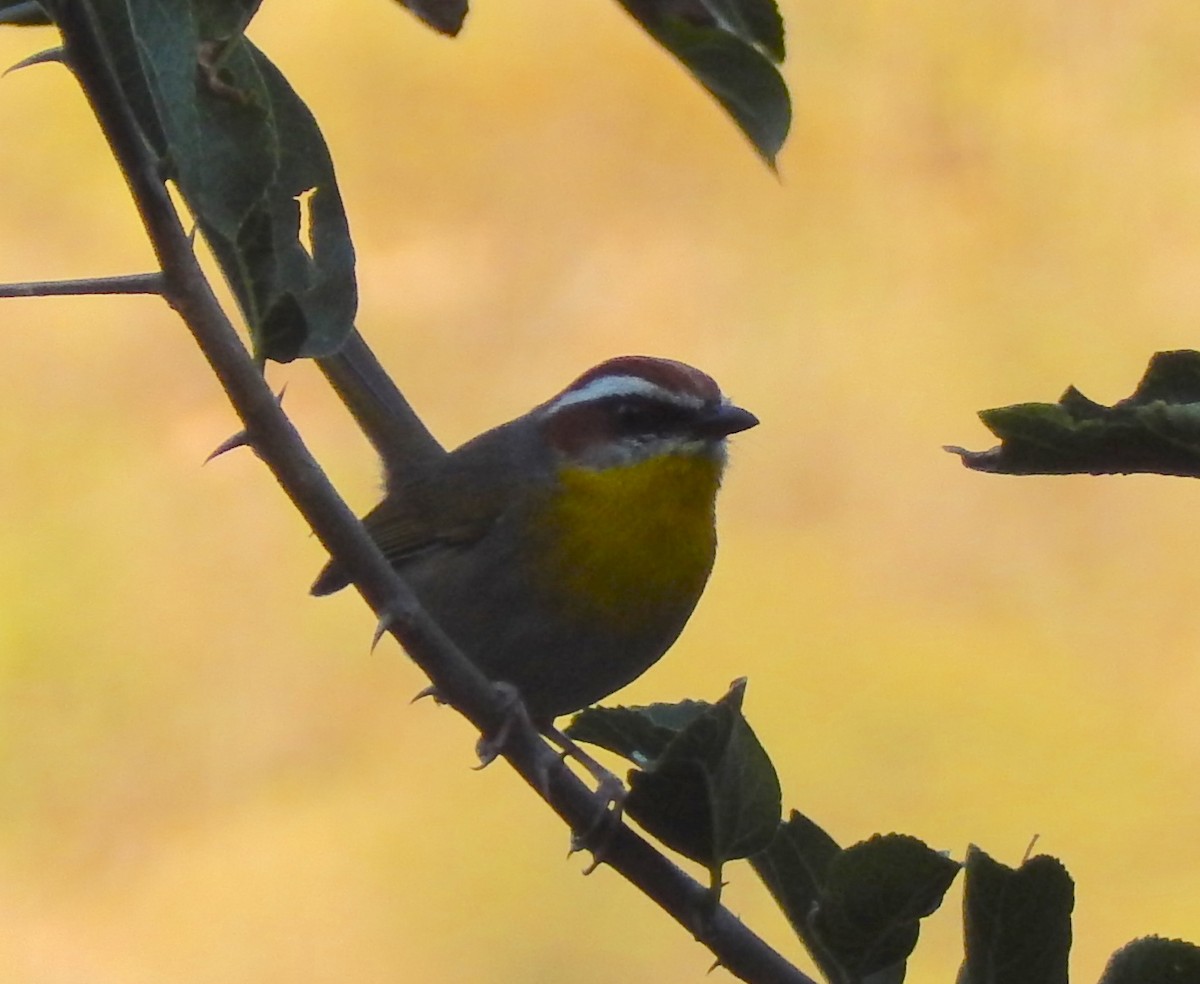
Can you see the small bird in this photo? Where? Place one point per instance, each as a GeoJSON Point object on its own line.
{"type": "Point", "coordinates": [564, 551]}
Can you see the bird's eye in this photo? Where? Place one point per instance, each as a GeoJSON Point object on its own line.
{"type": "Point", "coordinates": [634, 415]}
{"type": "Point", "coordinates": [641, 418]}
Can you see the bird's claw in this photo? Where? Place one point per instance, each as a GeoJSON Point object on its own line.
{"type": "Point", "coordinates": [490, 747]}
{"type": "Point", "coordinates": [603, 827]}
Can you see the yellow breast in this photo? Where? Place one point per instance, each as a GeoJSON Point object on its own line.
{"type": "Point", "coordinates": [635, 541]}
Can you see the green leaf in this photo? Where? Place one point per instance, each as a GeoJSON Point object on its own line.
{"type": "Point", "coordinates": [757, 22]}
{"type": "Point", "coordinates": [857, 911]}
{"type": "Point", "coordinates": [220, 20]}
{"type": "Point", "coordinates": [304, 294]}
{"type": "Point", "coordinates": [676, 805]}
{"type": "Point", "coordinates": [1017, 922]}
{"type": "Point", "coordinates": [721, 43]}
{"type": "Point", "coordinates": [640, 734]}
{"type": "Point", "coordinates": [793, 867]}
{"type": "Point", "coordinates": [445, 16]}
{"type": "Point", "coordinates": [875, 893]}
{"type": "Point", "coordinates": [247, 157]}
{"type": "Point", "coordinates": [23, 13]}
{"type": "Point", "coordinates": [1156, 429]}
{"type": "Point", "coordinates": [1154, 960]}
{"type": "Point", "coordinates": [116, 35]}
{"type": "Point", "coordinates": [708, 789]}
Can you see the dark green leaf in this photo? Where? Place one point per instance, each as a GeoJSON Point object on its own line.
{"type": "Point", "coordinates": [857, 911]}
{"type": "Point", "coordinates": [1017, 922]}
{"type": "Point", "coordinates": [23, 13]}
{"type": "Point", "coordinates": [757, 22]}
{"type": "Point", "coordinates": [218, 133]}
{"type": "Point", "coordinates": [1154, 960]}
{"type": "Point", "coordinates": [624, 730]}
{"type": "Point", "coordinates": [305, 293]}
{"type": "Point", "coordinates": [675, 804]}
{"type": "Point", "coordinates": [1156, 429]}
{"type": "Point", "coordinates": [220, 20]}
{"type": "Point", "coordinates": [874, 896]}
{"type": "Point", "coordinates": [640, 734]}
{"type": "Point", "coordinates": [793, 868]}
{"type": "Point", "coordinates": [247, 156]}
{"type": "Point", "coordinates": [445, 16]}
{"type": "Point", "coordinates": [710, 39]}
{"type": "Point", "coordinates": [113, 24]}
{"type": "Point", "coordinates": [712, 794]}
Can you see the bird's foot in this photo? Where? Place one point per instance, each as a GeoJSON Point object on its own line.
{"type": "Point", "coordinates": [602, 827]}
{"type": "Point", "coordinates": [490, 747]}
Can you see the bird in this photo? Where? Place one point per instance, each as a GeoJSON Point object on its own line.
{"type": "Point", "coordinates": [564, 551]}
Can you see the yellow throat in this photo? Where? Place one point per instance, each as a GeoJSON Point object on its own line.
{"type": "Point", "coordinates": [631, 540]}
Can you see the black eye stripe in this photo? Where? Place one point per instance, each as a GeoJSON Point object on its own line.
{"type": "Point", "coordinates": [643, 415]}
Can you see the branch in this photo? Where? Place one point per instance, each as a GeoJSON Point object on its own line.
{"type": "Point", "coordinates": [399, 436]}
{"type": "Point", "coordinates": [131, 283]}
{"type": "Point", "coordinates": [279, 445]}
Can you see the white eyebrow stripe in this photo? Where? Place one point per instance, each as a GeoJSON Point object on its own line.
{"type": "Point", "coordinates": [608, 386]}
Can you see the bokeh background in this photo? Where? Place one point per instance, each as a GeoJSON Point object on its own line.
{"type": "Point", "coordinates": [207, 778]}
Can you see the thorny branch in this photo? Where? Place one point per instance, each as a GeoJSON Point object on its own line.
{"type": "Point", "coordinates": [184, 286]}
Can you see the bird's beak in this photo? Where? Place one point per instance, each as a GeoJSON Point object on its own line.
{"type": "Point", "coordinates": [725, 419]}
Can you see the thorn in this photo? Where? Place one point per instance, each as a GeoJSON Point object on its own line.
{"type": "Point", "coordinates": [242, 440]}
{"type": "Point", "coordinates": [430, 691]}
{"type": "Point", "coordinates": [386, 621]}
{"type": "Point", "coordinates": [716, 965]}
{"type": "Point", "coordinates": [46, 57]}
{"type": "Point", "coordinates": [239, 440]}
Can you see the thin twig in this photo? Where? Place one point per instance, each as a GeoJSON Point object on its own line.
{"type": "Point", "coordinates": [130, 283]}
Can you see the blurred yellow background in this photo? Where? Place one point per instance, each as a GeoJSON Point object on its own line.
{"type": "Point", "coordinates": [207, 778]}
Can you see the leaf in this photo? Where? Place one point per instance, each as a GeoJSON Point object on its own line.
{"type": "Point", "coordinates": [793, 868]}
{"type": "Point", "coordinates": [857, 911]}
{"type": "Point", "coordinates": [23, 13]}
{"type": "Point", "coordinates": [444, 16]}
{"type": "Point", "coordinates": [247, 157]}
{"type": "Point", "coordinates": [721, 42]}
{"type": "Point", "coordinates": [1156, 429]}
{"type": "Point", "coordinates": [304, 294]}
{"type": "Point", "coordinates": [223, 19]}
{"type": "Point", "coordinates": [1154, 960]}
{"type": "Point", "coordinates": [757, 22]}
{"type": "Point", "coordinates": [1017, 922]}
{"type": "Point", "coordinates": [640, 734]}
{"type": "Point", "coordinates": [707, 788]}
{"type": "Point", "coordinates": [874, 896]}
